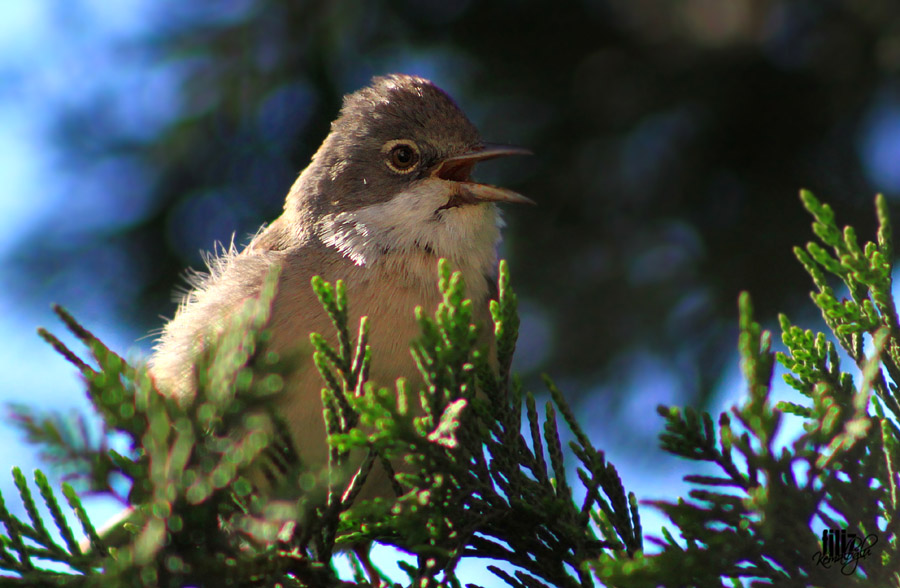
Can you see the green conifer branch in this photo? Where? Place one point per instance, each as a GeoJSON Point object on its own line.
{"type": "Point", "coordinates": [469, 481]}
{"type": "Point", "coordinates": [849, 476]}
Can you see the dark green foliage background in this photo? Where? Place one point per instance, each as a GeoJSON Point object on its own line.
{"type": "Point", "coordinates": [671, 139]}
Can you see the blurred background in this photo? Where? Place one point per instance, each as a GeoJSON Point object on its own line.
{"type": "Point", "coordinates": [671, 140]}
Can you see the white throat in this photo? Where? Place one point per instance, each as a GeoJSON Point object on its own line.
{"type": "Point", "coordinates": [410, 223]}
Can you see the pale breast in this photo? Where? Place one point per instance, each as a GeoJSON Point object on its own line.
{"type": "Point", "coordinates": [387, 292]}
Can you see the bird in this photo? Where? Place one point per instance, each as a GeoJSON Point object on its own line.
{"type": "Point", "coordinates": [387, 194]}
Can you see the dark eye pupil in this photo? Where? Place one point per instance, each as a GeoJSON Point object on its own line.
{"type": "Point", "coordinates": [403, 156]}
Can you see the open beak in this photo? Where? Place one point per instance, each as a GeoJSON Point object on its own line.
{"type": "Point", "coordinates": [459, 169]}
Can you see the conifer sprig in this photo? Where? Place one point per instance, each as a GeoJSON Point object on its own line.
{"type": "Point", "coordinates": [472, 484]}
{"type": "Point", "coordinates": [762, 518]}
{"type": "Point", "coordinates": [472, 477]}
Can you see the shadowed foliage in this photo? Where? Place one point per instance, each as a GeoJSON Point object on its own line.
{"type": "Point", "coordinates": [670, 138]}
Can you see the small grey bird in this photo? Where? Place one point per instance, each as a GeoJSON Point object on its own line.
{"type": "Point", "coordinates": [387, 194]}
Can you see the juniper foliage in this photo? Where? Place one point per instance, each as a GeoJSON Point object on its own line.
{"type": "Point", "coordinates": [472, 482]}
{"type": "Point", "coordinates": [760, 520]}
{"type": "Point", "coordinates": [476, 478]}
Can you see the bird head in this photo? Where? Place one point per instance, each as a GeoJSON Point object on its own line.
{"type": "Point", "coordinates": [395, 175]}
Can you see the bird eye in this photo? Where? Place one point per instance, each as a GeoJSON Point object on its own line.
{"type": "Point", "coordinates": [402, 157]}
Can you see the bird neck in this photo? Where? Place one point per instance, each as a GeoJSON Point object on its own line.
{"type": "Point", "coordinates": [393, 236]}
